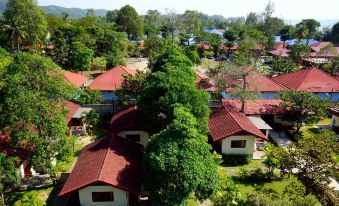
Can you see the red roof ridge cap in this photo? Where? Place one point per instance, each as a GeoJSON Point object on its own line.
{"type": "Point", "coordinates": [103, 163]}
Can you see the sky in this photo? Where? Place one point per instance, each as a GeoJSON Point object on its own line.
{"type": "Point", "coordinates": [286, 9]}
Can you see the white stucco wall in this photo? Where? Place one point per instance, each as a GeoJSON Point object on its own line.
{"type": "Point", "coordinates": [335, 121]}
{"type": "Point", "coordinates": [22, 169]}
{"type": "Point", "coordinates": [144, 136]}
{"type": "Point", "coordinates": [120, 196]}
{"type": "Point", "coordinates": [249, 149]}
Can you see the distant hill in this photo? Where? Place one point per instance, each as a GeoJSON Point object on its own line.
{"type": "Point", "coordinates": [57, 10]}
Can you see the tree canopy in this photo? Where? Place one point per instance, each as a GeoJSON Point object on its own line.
{"type": "Point", "coordinates": [130, 22]}
{"type": "Point", "coordinates": [178, 163]}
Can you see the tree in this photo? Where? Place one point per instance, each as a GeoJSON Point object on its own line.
{"type": "Point", "coordinates": [112, 16]}
{"type": "Point", "coordinates": [91, 13]}
{"type": "Point", "coordinates": [252, 19]}
{"type": "Point", "coordinates": [34, 85]}
{"type": "Point", "coordinates": [227, 74]}
{"type": "Point", "coordinates": [172, 57]}
{"type": "Point", "coordinates": [302, 107]}
{"type": "Point", "coordinates": [283, 65]}
{"type": "Point", "coordinates": [130, 87]}
{"type": "Point", "coordinates": [192, 53]}
{"type": "Point", "coordinates": [25, 23]}
{"type": "Point", "coordinates": [286, 34]}
{"type": "Point", "coordinates": [9, 176]}
{"type": "Point", "coordinates": [154, 46]}
{"type": "Point", "coordinates": [152, 21]}
{"type": "Point", "coordinates": [228, 193]}
{"type": "Point", "coordinates": [81, 56]}
{"type": "Point", "coordinates": [332, 67]}
{"type": "Point", "coordinates": [272, 158]}
{"type": "Point", "coordinates": [311, 161]}
{"type": "Point", "coordinates": [98, 63]}
{"type": "Point", "coordinates": [335, 33]}
{"type": "Point", "coordinates": [89, 96]}
{"type": "Point", "coordinates": [172, 81]}
{"type": "Point", "coordinates": [191, 22]}
{"type": "Point", "coordinates": [230, 36]}
{"type": "Point", "coordinates": [129, 21]}
{"type": "Point", "coordinates": [299, 50]}
{"type": "Point", "coordinates": [178, 162]}
{"type": "Point", "coordinates": [309, 25]}
{"type": "Point", "coordinates": [90, 120]}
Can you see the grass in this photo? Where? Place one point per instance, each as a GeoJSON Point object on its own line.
{"type": "Point", "coordinates": [233, 170]}
{"type": "Point", "coordinates": [67, 165]}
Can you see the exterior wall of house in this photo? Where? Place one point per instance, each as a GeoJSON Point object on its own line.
{"type": "Point", "coordinates": [108, 96]}
{"type": "Point", "coordinates": [144, 136]}
{"type": "Point", "coordinates": [334, 97]}
{"type": "Point", "coordinates": [120, 196]}
{"type": "Point", "coordinates": [249, 149]}
{"type": "Point", "coordinates": [335, 121]}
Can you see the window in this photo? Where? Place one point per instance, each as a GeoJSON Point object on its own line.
{"type": "Point", "coordinates": [238, 143]}
{"type": "Point", "coordinates": [133, 137]}
{"type": "Point", "coordinates": [102, 197]}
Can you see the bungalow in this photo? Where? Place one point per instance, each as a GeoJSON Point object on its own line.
{"type": "Point", "coordinates": [113, 165]}
{"type": "Point", "coordinates": [311, 80]}
{"type": "Point", "coordinates": [234, 132]}
{"type": "Point", "coordinates": [110, 81]}
{"type": "Point", "coordinates": [107, 172]}
{"type": "Point", "coordinates": [256, 82]}
{"type": "Point", "coordinates": [77, 80]}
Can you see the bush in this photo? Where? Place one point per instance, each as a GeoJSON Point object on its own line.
{"type": "Point", "coordinates": [252, 176]}
{"type": "Point", "coordinates": [236, 159]}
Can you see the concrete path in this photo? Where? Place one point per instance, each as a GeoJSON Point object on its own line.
{"type": "Point", "coordinates": [280, 138]}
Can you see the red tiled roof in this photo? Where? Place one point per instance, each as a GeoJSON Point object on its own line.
{"type": "Point", "coordinates": [256, 82]}
{"type": "Point", "coordinates": [73, 108]}
{"type": "Point", "coordinates": [317, 46]}
{"type": "Point", "coordinates": [203, 82]}
{"type": "Point", "coordinates": [254, 107]}
{"type": "Point", "coordinates": [76, 79]}
{"type": "Point", "coordinates": [224, 123]}
{"type": "Point", "coordinates": [127, 118]}
{"type": "Point", "coordinates": [112, 79]}
{"type": "Point", "coordinates": [310, 79]}
{"type": "Point", "coordinates": [200, 76]}
{"type": "Point", "coordinates": [283, 52]}
{"type": "Point", "coordinates": [115, 161]}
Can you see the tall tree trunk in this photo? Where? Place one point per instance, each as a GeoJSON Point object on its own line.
{"type": "Point", "coordinates": [228, 52]}
{"type": "Point", "coordinates": [2, 199]}
{"type": "Point", "coordinates": [243, 99]}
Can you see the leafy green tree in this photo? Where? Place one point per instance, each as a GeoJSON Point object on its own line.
{"type": "Point", "coordinates": [114, 58]}
{"type": "Point", "coordinates": [228, 193]}
{"type": "Point", "coordinates": [25, 23]}
{"type": "Point", "coordinates": [335, 33]}
{"type": "Point", "coordinates": [90, 120]}
{"type": "Point", "coordinates": [178, 162]}
{"type": "Point", "coordinates": [299, 50]}
{"type": "Point", "coordinates": [112, 16]}
{"type": "Point", "coordinates": [89, 96]}
{"type": "Point", "coordinates": [272, 158]}
{"type": "Point", "coordinates": [130, 22]}
{"type": "Point", "coordinates": [284, 65]}
{"type": "Point", "coordinates": [286, 34]}
{"type": "Point", "coordinates": [152, 22]}
{"type": "Point", "coordinates": [192, 53]}
{"type": "Point", "coordinates": [9, 176]}
{"type": "Point", "coordinates": [91, 13]}
{"type": "Point", "coordinates": [310, 26]}
{"type": "Point", "coordinates": [34, 85]}
{"type": "Point", "coordinates": [81, 56]}
{"type": "Point", "coordinates": [172, 57]}
{"type": "Point", "coordinates": [191, 21]}
{"type": "Point", "coordinates": [154, 46]}
{"type": "Point", "coordinates": [230, 36]}
{"type": "Point", "coordinates": [311, 160]}
{"type": "Point", "coordinates": [332, 67]}
{"type": "Point", "coordinates": [130, 87]}
{"type": "Point", "coordinates": [239, 68]}
{"type": "Point", "coordinates": [98, 63]}
{"type": "Point", "coordinates": [302, 107]}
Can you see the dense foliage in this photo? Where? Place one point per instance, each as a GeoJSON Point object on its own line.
{"type": "Point", "coordinates": [178, 162]}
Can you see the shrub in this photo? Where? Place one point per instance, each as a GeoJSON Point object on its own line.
{"type": "Point", "coordinates": [236, 159]}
